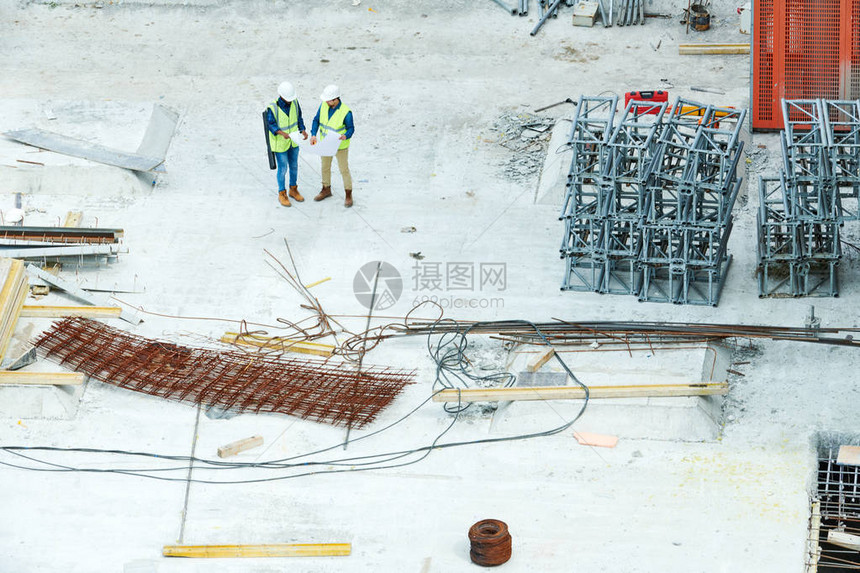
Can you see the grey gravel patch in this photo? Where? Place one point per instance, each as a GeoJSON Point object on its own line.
{"type": "Point", "coordinates": [527, 137]}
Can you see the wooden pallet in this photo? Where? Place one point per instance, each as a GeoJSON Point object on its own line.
{"type": "Point", "coordinates": [12, 296]}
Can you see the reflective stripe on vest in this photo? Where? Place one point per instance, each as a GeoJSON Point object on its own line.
{"type": "Point", "coordinates": [333, 123]}
{"type": "Point", "coordinates": [288, 123]}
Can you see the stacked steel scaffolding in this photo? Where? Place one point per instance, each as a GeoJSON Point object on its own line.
{"type": "Point", "coordinates": [584, 208]}
{"type": "Point", "coordinates": [648, 205]}
{"type": "Point", "coordinates": [802, 209]}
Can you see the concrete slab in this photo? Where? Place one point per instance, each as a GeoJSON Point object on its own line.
{"type": "Point", "coordinates": [442, 72]}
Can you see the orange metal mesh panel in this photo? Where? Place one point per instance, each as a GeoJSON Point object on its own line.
{"type": "Point", "coordinates": [813, 71]}
{"type": "Point", "coordinates": [803, 49]}
{"type": "Point", "coordinates": [763, 95]}
{"type": "Point", "coordinates": [854, 60]}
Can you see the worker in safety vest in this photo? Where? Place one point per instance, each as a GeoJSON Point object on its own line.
{"type": "Point", "coordinates": [334, 119]}
{"type": "Point", "coordinates": [284, 116]}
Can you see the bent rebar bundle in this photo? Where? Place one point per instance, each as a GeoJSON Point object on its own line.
{"type": "Point", "coordinates": [230, 380]}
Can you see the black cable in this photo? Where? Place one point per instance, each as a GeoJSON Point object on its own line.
{"type": "Point", "coordinates": [451, 365]}
{"type": "Point", "coordinates": [426, 449]}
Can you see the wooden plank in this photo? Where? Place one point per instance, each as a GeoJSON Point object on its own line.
{"type": "Point", "coordinates": [12, 296]}
{"type": "Point", "coordinates": [540, 360]}
{"type": "Point", "coordinates": [707, 49]}
{"type": "Point", "coordinates": [844, 540]}
{"type": "Point", "coordinates": [848, 456]}
{"type": "Point", "coordinates": [43, 311]}
{"type": "Point", "coordinates": [577, 393]}
{"type": "Point", "coordinates": [73, 219]}
{"type": "Point", "coordinates": [717, 44]}
{"type": "Point", "coordinates": [234, 448]}
{"type": "Point", "coordinates": [11, 270]}
{"type": "Point", "coordinates": [269, 550]}
{"type": "Point", "coordinates": [814, 536]}
{"type": "Point", "coordinates": [278, 343]}
{"type": "Point", "coordinates": [42, 378]}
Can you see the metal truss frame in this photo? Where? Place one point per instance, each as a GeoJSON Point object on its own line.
{"type": "Point", "coordinates": [655, 221]}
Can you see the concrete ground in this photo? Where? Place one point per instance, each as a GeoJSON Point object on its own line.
{"type": "Point", "coordinates": [427, 82]}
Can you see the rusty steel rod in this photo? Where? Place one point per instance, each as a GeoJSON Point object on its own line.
{"type": "Point", "coordinates": [569, 332]}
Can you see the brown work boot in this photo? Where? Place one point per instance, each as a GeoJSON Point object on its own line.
{"type": "Point", "coordinates": [324, 194]}
{"type": "Point", "coordinates": [283, 199]}
{"type": "Point", "coordinates": [348, 201]}
{"type": "Point", "coordinates": [294, 193]}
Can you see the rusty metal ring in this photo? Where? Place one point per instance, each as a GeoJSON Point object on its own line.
{"type": "Point", "coordinates": [490, 542]}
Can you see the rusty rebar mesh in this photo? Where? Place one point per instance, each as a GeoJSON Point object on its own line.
{"type": "Point", "coordinates": [230, 380]}
{"type": "Point", "coordinates": [61, 235]}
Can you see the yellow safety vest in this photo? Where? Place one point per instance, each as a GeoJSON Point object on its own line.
{"type": "Point", "coordinates": [333, 123]}
{"type": "Point", "coordinates": [288, 124]}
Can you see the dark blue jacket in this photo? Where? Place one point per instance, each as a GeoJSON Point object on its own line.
{"type": "Point", "coordinates": [347, 121]}
{"type": "Point", "coordinates": [285, 106]}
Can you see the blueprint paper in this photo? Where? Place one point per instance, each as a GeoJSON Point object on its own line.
{"type": "Point", "coordinates": [325, 148]}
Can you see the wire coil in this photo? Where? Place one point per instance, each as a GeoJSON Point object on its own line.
{"type": "Point", "coordinates": [490, 542]}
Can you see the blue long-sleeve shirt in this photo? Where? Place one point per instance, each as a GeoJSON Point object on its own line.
{"type": "Point", "coordinates": [285, 106]}
{"type": "Point", "coordinates": [347, 121]}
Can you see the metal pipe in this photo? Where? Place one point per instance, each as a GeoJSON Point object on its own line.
{"type": "Point", "coordinates": [553, 7]}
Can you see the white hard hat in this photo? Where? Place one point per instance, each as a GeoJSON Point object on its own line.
{"type": "Point", "coordinates": [330, 92]}
{"type": "Point", "coordinates": [287, 91]}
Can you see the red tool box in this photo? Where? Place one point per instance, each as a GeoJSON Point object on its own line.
{"type": "Point", "coordinates": [656, 96]}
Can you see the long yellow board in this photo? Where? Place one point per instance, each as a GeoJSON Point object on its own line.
{"type": "Point", "coordinates": [42, 378]}
{"type": "Point", "coordinates": [277, 343]}
{"type": "Point", "coordinates": [705, 49]}
{"type": "Point", "coordinates": [12, 295]}
{"type": "Point", "coordinates": [577, 393]}
{"type": "Point", "coordinates": [268, 550]}
{"type": "Point", "coordinates": [43, 311]}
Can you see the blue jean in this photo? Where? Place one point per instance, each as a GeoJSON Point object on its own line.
{"type": "Point", "coordinates": [288, 158]}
